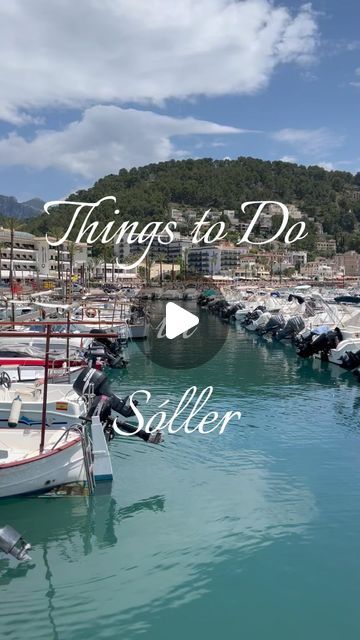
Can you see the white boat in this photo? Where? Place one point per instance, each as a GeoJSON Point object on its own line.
{"type": "Point", "coordinates": [32, 372]}
{"type": "Point", "coordinates": [69, 456]}
{"type": "Point", "coordinates": [171, 294]}
{"type": "Point", "coordinates": [58, 345]}
{"type": "Point", "coordinates": [64, 405]}
{"type": "Point", "coordinates": [24, 470]}
{"type": "Point", "coordinates": [126, 323]}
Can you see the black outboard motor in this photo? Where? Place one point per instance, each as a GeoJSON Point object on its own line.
{"type": "Point", "coordinates": [350, 360]}
{"type": "Point", "coordinates": [97, 382]}
{"type": "Point", "coordinates": [113, 349]}
{"type": "Point", "coordinates": [223, 308]}
{"type": "Point", "coordinates": [273, 325]}
{"type": "Point", "coordinates": [293, 326]}
{"type": "Point", "coordinates": [204, 301]}
{"type": "Point", "coordinates": [322, 344]}
{"type": "Point", "coordinates": [230, 311]}
{"type": "Point", "coordinates": [105, 401]}
{"type": "Point", "coordinates": [253, 315]}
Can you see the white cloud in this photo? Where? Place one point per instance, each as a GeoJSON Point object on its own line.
{"type": "Point", "coordinates": [288, 159]}
{"type": "Point", "coordinates": [86, 52]}
{"type": "Point", "coordinates": [310, 141]}
{"type": "Point", "coordinates": [328, 166]}
{"type": "Point", "coordinates": [106, 139]}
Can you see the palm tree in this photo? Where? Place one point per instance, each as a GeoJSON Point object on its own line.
{"type": "Point", "coordinates": [148, 264]}
{"type": "Point", "coordinates": [14, 225]}
{"type": "Point", "coordinates": [161, 257]}
{"type": "Point", "coordinates": [107, 255]}
{"type": "Point", "coordinates": [2, 246]}
{"type": "Point", "coordinates": [179, 261]}
{"type": "Point", "coordinates": [58, 233]}
{"type": "Point", "coordinates": [71, 250]}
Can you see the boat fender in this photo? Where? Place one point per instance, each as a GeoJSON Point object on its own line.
{"type": "Point", "coordinates": [15, 410]}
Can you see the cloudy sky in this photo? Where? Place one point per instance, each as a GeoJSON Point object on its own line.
{"type": "Point", "coordinates": [91, 86]}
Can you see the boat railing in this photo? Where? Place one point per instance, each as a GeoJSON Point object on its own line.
{"type": "Point", "coordinates": [48, 335]}
{"type": "Point", "coordinates": [87, 449]}
{"type": "Point", "coordinates": [64, 436]}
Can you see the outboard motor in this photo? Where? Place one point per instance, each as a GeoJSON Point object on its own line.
{"type": "Point", "coordinates": [91, 380]}
{"type": "Point", "coordinates": [293, 326]}
{"type": "Point", "coordinates": [273, 325]}
{"type": "Point", "coordinates": [97, 382]}
{"type": "Point", "coordinates": [230, 311]}
{"type": "Point", "coordinates": [223, 309]}
{"type": "Point", "coordinates": [204, 301]}
{"type": "Point", "coordinates": [253, 315]}
{"type": "Point", "coordinates": [12, 543]}
{"type": "Point", "coordinates": [350, 360]}
{"type": "Point", "coordinates": [113, 349]}
{"type": "Point", "coordinates": [322, 344]}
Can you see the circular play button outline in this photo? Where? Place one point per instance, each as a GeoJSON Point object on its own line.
{"type": "Point", "coordinates": [182, 335]}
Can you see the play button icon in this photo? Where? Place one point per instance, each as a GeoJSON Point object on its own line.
{"type": "Point", "coordinates": [178, 320]}
{"type": "Point", "coordinates": [181, 335]}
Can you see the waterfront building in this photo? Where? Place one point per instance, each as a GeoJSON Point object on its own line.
{"type": "Point", "coordinates": [34, 258]}
{"type": "Point", "coordinates": [350, 261]}
{"type": "Point", "coordinates": [172, 252]}
{"type": "Point", "coordinates": [222, 259]}
{"type": "Point", "coordinates": [319, 269]}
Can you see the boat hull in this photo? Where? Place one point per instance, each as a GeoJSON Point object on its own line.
{"type": "Point", "coordinates": [36, 473]}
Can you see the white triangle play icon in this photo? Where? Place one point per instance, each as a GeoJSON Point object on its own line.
{"type": "Point", "coordinates": [178, 320]}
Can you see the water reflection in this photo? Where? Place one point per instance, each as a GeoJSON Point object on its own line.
{"type": "Point", "coordinates": [111, 566]}
{"type": "Point", "coordinates": [93, 519]}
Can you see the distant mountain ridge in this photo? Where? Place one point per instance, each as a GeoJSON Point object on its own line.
{"type": "Point", "coordinates": [10, 206]}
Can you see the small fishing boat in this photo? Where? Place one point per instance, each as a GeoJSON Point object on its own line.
{"type": "Point", "coordinates": [24, 469]}
{"type": "Point", "coordinates": [21, 404]}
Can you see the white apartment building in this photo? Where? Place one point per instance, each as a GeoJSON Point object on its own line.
{"type": "Point", "coordinates": [34, 257]}
{"type": "Point", "coordinates": [216, 259]}
{"type": "Point", "coordinates": [25, 259]}
{"type": "Point", "coordinates": [317, 269]}
{"type": "Point", "coordinates": [48, 257]}
{"type": "Point", "coordinates": [275, 210]}
{"type": "Point", "coordinates": [169, 252]}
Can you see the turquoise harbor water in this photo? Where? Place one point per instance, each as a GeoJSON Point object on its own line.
{"type": "Point", "coordinates": [252, 534]}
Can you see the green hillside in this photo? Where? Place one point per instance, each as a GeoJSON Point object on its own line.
{"type": "Point", "coordinates": [145, 193]}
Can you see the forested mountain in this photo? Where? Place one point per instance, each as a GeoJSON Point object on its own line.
{"type": "Point", "coordinates": [9, 206]}
{"type": "Point", "coordinates": [145, 193]}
